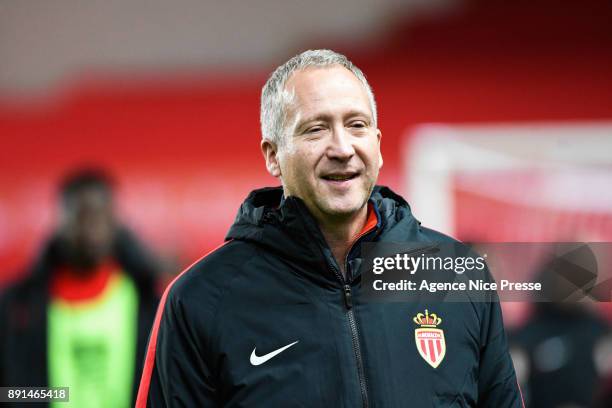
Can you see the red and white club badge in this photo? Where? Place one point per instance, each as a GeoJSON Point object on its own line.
{"type": "Point", "coordinates": [429, 339]}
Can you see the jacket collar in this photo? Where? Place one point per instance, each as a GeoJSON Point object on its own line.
{"type": "Point", "coordinates": [286, 228]}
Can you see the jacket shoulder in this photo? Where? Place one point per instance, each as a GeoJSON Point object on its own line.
{"type": "Point", "coordinates": [203, 284]}
{"type": "Point", "coordinates": [22, 290]}
{"type": "Point", "coordinates": [436, 236]}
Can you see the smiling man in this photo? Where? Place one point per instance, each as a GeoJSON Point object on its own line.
{"type": "Point", "coordinates": [328, 152]}
{"type": "Point", "coordinates": [276, 316]}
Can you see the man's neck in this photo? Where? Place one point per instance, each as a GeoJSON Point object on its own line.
{"type": "Point", "coordinates": [340, 233]}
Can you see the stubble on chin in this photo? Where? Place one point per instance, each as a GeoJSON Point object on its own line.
{"type": "Point", "coordinates": [338, 208]}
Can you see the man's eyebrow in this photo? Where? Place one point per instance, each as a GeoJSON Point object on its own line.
{"type": "Point", "coordinates": [302, 122]}
{"type": "Point", "coordinates": [324, 116]}
{"type": "Point", "coordinates": [312, 118]}
{"type": "Point", "coordinates": [357, 112]}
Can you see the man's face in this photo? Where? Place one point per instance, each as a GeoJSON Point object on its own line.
{"type": "Point", "coordinates": [88, 227]}
{"type": "Point", "coordinates": [331, 155]}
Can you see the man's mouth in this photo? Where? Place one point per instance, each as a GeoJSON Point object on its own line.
{"type": "Point", "coordinates": [338, 177]}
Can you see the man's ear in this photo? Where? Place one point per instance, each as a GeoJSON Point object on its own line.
{"type": "Point", "coordinates": [380, 159]}
{"type": "Point", "coordinates": [270, 153]}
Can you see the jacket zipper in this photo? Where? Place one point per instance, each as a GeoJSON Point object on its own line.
{"type": "Point", "coordinates": [348, 302]}
{"type": "Point", "coordinates": [350, 314]}
{"type": "Point", "coordinates": [356, 345]}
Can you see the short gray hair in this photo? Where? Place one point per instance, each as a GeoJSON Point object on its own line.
{"type": "Point", "coordinates": [275, 98]}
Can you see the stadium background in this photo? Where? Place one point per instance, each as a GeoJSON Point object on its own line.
{"type": "Point", "coordinates": [166, 98]}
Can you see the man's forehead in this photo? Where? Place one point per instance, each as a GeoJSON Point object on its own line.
{"type": "Point", "coordinates": [317, 74]}
{"type": "Point", "coordinates": [313, 87]}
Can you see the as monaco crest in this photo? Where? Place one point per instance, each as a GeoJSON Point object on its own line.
{"type": "Point", "coordinates": [429, 339]}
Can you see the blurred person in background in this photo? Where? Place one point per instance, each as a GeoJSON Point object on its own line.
{"type": "Point", "coordinates": [82, 315]}
{"type": "Point", "coordinates": [561, 352]}
{"type": "Point", "coordinates": [604, 395]}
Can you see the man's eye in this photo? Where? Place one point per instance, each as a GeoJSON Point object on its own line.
{"type": "Point", "coordinates": [314, 129]}
{"type": "Point", "coordinates": [358, 124]}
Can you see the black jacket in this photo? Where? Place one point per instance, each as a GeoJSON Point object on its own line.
{"type": "Point", "coordinates": [23, 313]}
{"type": "Point", "coordinates": [276, 284]}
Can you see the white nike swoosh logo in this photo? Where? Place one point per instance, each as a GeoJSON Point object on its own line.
{"type": "Point", "coordinates": [257, 360]}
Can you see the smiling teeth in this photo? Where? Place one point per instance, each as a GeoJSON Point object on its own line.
{"type": "Point", "coordinates": [338, 178]}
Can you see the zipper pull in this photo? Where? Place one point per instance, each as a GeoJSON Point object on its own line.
{"type": "Point", "coordinates": [348, 300]}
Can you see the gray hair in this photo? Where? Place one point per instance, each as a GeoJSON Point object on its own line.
{"type": "Point", "coordinates": [275, 98]}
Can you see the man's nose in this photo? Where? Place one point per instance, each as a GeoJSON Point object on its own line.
{"type": "Point", "coordinates": [340, 145]}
